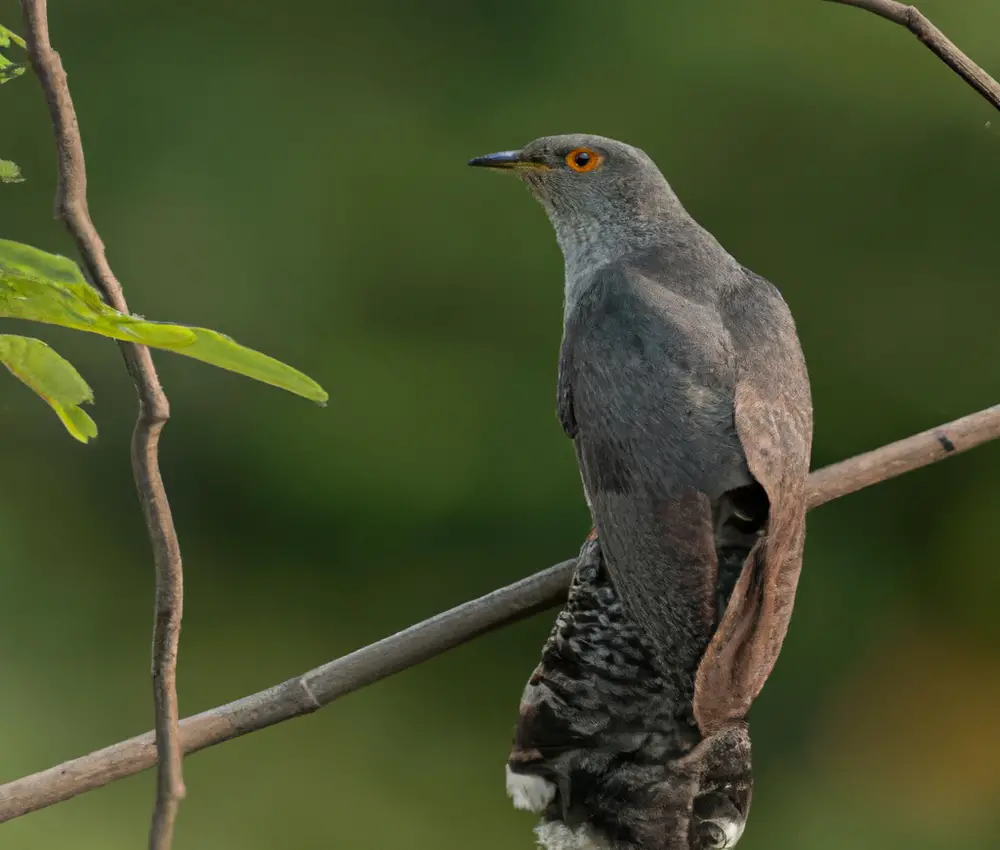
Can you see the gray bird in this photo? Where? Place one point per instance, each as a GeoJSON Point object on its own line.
{"type": "Point", "coordinates": [683, 387]}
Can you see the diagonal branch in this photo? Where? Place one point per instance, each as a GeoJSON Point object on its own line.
{"type": "Point", "coordinates": [154, 410]}
{"type": "Point", "coordinates": [927, 447]}
{"type": "Point", "coordinates": [322, 685]}
{"type": "Point", "coordinates": [936, 41]}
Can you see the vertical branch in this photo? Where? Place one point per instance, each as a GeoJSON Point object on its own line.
{"type": "Point", "coordinates": [154, 410]}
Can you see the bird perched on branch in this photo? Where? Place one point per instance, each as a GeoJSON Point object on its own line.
{"type": "Point", "coordinates": [683, 386]}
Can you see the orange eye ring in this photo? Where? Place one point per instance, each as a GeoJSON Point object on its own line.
{"type": "Point", "coordinates": [582, 160]}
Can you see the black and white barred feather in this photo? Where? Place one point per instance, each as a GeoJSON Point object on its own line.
{"type": "Point", "coordinates": [606, 747]}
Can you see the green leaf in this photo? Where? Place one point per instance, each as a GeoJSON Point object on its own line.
{"type": "Point", "coordinates": [53, 378]}
{"type": "Point", "coordinates": [7, 37]}
{"type": "Point", "coordinates": [9, 172]}
{"type": "Point", "coordinates": [31, 262]}
{"type": "Point", "coordinates": [43, 287]}
{"type": "Point", "coordinates": [9, 69]}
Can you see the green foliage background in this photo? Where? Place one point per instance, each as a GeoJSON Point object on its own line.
{"type": "Point", "coordinates": [295, 177]}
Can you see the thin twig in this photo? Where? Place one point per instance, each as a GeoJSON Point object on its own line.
{"type": "Point", "coordinates": [321, 686]}
{"type": "Point", "coordinates": [943, 47]}
{"type": "Point", "coordinates": [154, 410]}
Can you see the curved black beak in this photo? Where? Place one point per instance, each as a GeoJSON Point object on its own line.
{"type": "Point", "coordinates": [503, 159]}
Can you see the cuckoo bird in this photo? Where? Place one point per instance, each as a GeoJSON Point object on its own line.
{"type": "Point", "coordinates": [682, 383]}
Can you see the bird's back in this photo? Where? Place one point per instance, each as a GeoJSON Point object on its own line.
{"type": "Point", "coordinates": [651, 372]}
{"type": "Point", "coordinates": [653, 366]}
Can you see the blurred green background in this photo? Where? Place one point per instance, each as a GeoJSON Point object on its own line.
{"type": "Point", "coordinates": [294, 175]}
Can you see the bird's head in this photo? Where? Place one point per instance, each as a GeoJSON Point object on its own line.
{"type": "Point", "coordinates": [595, 190]}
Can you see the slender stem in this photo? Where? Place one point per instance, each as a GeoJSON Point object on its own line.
{"type": "Point", "coordinates": [154, 410]}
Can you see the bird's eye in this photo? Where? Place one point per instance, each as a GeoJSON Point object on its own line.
{"type": "Point", "coordinates": [583, 159]}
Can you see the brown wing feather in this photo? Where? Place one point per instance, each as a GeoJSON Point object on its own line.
{"type": "Point", "coordinates": [773, 415]}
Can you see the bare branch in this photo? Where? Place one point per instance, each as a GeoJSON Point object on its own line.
{"type": "Point", "coordinates": [923, 449]}
{"type": "Point", "coordinates": [936, 41]}
{"type": "Point", "coordinates": [297, 696]}
{"type": "Point", "coordinates": [321, 686]}
{"type": "Point", "coordinates": [154, 410]}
